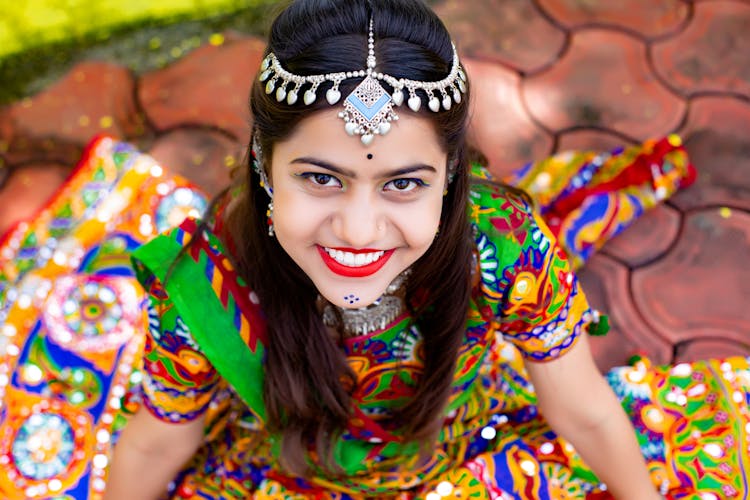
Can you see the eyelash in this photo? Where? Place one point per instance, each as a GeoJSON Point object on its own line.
{"type": "Point", "coordinates": [419, 183]}
{"type": "Point", "coordinates": [312, 177]}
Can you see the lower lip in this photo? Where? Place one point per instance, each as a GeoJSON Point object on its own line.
{"type": "Point", "coordinates": [353, 272]}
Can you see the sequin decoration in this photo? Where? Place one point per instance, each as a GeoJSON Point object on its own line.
{"type": "Point", "coordinates": [91, 313]}
{"type": "Point", "coordinates": [44, 446]}
{"type": "Point", "coordinates": [177, 205]}
{"type": "Point", "coordinates": [526, 303]}
{"type": "Point", "coordinates": [691, 420]}
{"type": "Point", "coordinates": [71, 323]}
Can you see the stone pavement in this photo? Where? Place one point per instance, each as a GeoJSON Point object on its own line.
{"type": "Point", "coordinates": [548, 75]}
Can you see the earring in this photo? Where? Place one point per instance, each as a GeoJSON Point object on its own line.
{"type": "Point", "coordinates": [269, 214]}
{"type": "Point", "coordinates": [257, 154]}
{"type": "Point", "coordinates": [451, 173]}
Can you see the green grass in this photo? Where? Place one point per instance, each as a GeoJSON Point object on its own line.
{"type": "Point", "coordinates": [139, 34]}
{"type": "Point", "coordinates": [40, 40]}
{"type": "Point", "coordinates": [29, 24]}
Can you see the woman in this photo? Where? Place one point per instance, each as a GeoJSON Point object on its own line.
{"type": "Point", "coordinates": [342, 326]}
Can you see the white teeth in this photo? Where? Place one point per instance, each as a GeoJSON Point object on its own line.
{"type": "Point", "coordinates": [348, 259]}
{"type": "Point", "coordinates": [354, 260]}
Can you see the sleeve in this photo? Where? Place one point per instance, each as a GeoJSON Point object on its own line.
{"type": "Point", "coordinates": [178, 382]}
{"type": "Point", "coordinates": [526, 279]}
{"type": "Point", "coordinates": [200, 301]}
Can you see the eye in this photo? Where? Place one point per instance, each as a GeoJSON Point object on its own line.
{"type": "Point", "coordinates": [404, 185]}
{"type": "Point", "coordinates": [322, 180]}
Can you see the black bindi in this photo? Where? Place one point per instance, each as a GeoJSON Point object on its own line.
{"type": "Point", "coordinates": [369, 156]}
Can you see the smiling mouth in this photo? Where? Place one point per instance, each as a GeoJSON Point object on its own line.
{"type": "Point", "coordinates": [354, 263]}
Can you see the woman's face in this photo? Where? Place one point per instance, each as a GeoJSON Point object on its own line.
{"type": "Point", "coordinates": [353, 217]}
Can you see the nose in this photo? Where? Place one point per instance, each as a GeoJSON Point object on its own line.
{"type": "Point", "coordinates": [360, 221]}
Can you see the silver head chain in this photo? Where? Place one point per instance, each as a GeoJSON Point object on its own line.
{"type": "Point", "coordinates": [369, 108]}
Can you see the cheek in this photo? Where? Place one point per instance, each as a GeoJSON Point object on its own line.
{"type": "Point", "coordinates": [419, 224]}
{"type": "Point", "coordinates": [294, 218]}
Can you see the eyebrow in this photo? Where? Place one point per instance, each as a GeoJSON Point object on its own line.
{"type": "Point", "coordinates": [351, 174]}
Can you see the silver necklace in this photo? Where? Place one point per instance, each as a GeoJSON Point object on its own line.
{"type": "Point", "coordinates": [376, 316]}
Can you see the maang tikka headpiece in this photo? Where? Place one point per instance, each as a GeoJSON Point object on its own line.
{"type": "Point", "coordinates": [368, 110]}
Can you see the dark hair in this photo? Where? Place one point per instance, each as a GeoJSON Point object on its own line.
{"type": "Point", "coordinates": [308, 382]}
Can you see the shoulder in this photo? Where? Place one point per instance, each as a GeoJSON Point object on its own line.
{"type": "Point", "coordinates": [525, 278]}
{"type": "Point", "coordinates": [499, 207]}
{"type": "Point", "coordinates": [502, 221]}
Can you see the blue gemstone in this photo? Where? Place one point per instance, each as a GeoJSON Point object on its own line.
{"type": "Point", "coordinates": [371, 111]}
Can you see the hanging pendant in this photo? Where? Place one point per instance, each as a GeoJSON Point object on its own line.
{"type": "Point", "coordinates": [368, 110]}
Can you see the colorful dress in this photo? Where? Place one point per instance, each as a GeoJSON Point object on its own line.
{"type": "Point", "coordinates": [74, 322]}
{"type": "Point", "coordinates": [526, 303]}
{"type": "Point", "coordinates": [71, 320]}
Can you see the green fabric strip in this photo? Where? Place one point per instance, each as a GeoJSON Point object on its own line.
{"type": "Point", "coordinates": [210, 324]}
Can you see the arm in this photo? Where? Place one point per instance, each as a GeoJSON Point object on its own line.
{"type": "Point", "coordinates": [148, 455]}
{"type": "Point", "coordinates": [541, 309]}
{"type": "Point", "coordinates": [580, 406]}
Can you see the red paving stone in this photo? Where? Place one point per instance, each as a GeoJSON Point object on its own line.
{"type": "Point", "coordinates": [92, 98]}
{"type": "Point", "coordinates": [205, 157]}
{"type": "Point", "coordinates": [650, 237]}
{"type": "Point", "coordinates": [590, 140]}
{"type": "Point", "coordinates": [716, 136]}
{"type": "Point", "coordinates": [603, 80]}
{"type": "Point", "coordinates": [548, 75]}
{"type": "Point", "coordinates": [512, 32]}
{"type": "Point", "coordinates": [501, 127]}
{"type": "Point", "coordinates": [709, 348]}
{"type": "Point", "coordinates": [209, 87]}
{"type": "Point", "coordinates": [701, 288]}
{"type": "Point", "coordinates": [712, 53]}
{"type": "Point", "coordinates": [27, 190]}
{"type": "Point", "coordinates": [23, 150]}
{"type": "Point", "coordinates": [649, 18]}
{"type": "Point", "coordinates": [606, 284]}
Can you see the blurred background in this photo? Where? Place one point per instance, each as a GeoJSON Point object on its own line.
{"type": "Point", "coordinates": [172, 77]}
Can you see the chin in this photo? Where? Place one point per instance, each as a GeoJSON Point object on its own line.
{"type": "Point", "coordinates": [358, 292]}
{"type": "Point", "coordinates": [352, 299]}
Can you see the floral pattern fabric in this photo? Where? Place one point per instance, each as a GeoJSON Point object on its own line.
{"type": "Point", "coordinates": [71, 320]}
{"type": "Point", "coordinates": [525, 295]}
{"type": "Point", "coordinates": [527, 304]}
{"type": "Point", "coordinates": [74, 325]}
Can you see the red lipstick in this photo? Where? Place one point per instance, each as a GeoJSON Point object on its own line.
{"type": "Point", "coordinates": [354, 272]}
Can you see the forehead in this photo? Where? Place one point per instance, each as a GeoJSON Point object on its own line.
{"type": "Point", "coordinates": [412, 140]}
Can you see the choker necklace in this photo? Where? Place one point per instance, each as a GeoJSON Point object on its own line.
{"type": "Point", "coordinates": [376, 316]}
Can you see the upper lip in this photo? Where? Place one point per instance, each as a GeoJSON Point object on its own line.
{"type": "Point", "coordinates": [355, 250]}
{"type": "Point", "coordinates": [354, 263]}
